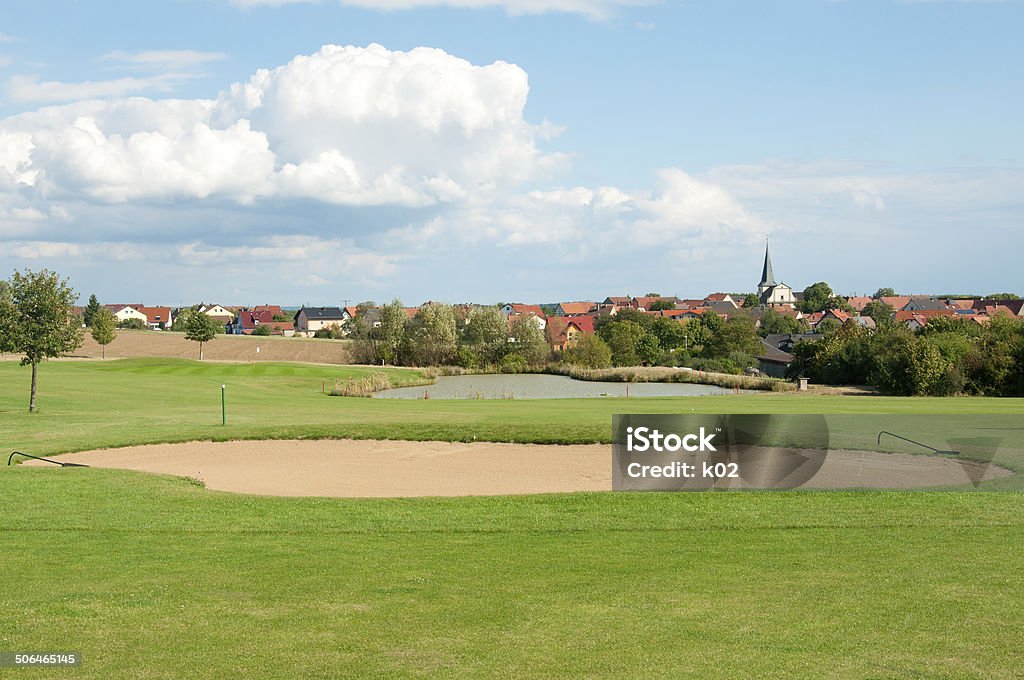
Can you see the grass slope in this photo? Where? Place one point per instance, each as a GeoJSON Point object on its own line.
{"type": "Point", "coordinates": [154, 577]}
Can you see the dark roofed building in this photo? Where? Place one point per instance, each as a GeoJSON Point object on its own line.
{"type": "Point", "coordinates": [312, 319]}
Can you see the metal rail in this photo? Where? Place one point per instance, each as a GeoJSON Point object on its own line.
{"type": "Point", "coordinates": [932, 448]}
{"type": "Point", "coordinates": [46, 460]}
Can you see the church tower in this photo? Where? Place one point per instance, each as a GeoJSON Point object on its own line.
{"type": "Point", "coordinates": [767, 275]}
{"type": "Point", "coordinates": [769, 292]}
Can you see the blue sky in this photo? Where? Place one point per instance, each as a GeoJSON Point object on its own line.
{"type": "Point", "coordinates": [540, 150]}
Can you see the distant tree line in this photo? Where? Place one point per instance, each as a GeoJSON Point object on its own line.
{"type": "Point", "coordinates": [443, 335]}
{"type": "Point", "coordinates": [706, 343]}
{"type": "Point", "coordinates": [947, 356]}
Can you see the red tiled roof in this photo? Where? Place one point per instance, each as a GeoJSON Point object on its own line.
{"type": "Point", "coordinates": [839, 314]}
{"type": "Point", "coordinates": [576, 307]}
{"type": "Point", "coordinates": [518, 308]}
{"type": "Point", "coordinates": [584, 323]}
{"type": "Point", "coordinates": [156, 314]}
{"type": "Point", "coordinates": [897, 302]}
{"type": "Point", "coordinates": [859, 302]}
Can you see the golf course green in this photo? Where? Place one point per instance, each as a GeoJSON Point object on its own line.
{"type": "Point", "coordinates": [156, 576]}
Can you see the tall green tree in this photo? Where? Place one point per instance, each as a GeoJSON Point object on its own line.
{"type": "Point", "coordinates": [528, 341]}
{"type": "Point", "coordinates": [36, 320]}
{"type": "Point", "coordinates": [819, 296]}
{"type": "Point", "coordinates": [884, 292]}
{"type": "Point", "coordinates": [389, 338]}
{"type": "Point", "coordinates": [486, 332]}
{"type": "Point", "coordinates": [199, 327]}
{"type": "Point", "coordinates": [737, 334]}
{"type": "Point", "coordinates": [880, 311]}
{"type": "Point", "coordinates": [590, 351]}
{"type": "Point", "coordinates": [623, 338]}
{"type": "Point", "coordinates": [773, 322]}
{"type": "Point", "coordinates": [432, 335]}
{"type": "Point", "coordinates": [103, 328]}
{"type": "Point", "coordinates": [89, 313]}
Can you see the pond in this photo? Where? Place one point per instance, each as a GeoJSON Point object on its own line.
{"type": "Point", "coordinates": [542, 386]}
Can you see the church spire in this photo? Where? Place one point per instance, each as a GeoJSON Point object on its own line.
{"type": "Point", "coordinates": [767, 275]}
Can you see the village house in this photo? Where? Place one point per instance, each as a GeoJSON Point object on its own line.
{"type": "Point", "coordinates": [128, 313]}
{"type": "Point", "coordinates": [157, 318]}
{"type": "Point", "coordinates": [309, 320]}
{"type": "Point", "coordinates": [247, 320]}
{"type": "Point", "coordinates": [565, 332]}
{"type": "Point", "coordinates": [218, 313]}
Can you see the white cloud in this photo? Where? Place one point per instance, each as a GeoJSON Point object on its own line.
{"type": "Point", "coordinates": [346, 125]}
{"type": "Point", "coordinates": [162, 60]}
{"type": "Point", "coordinates": [595, 9]}
{"type": "Point", "coordinates": [30, 90]}
{"type": "Point", "coordinates": [683, 214]}
{"type": "Point", "coordinates": [107, 251]}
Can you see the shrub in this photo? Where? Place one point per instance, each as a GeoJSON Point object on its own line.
{"type": "Point", "coordinates": [513, 362]}
{"type": "Point", "coordinates": [361, 387]}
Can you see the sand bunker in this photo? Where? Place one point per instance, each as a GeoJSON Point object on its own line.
{"type": "Point", "coordinates": [377, 469]}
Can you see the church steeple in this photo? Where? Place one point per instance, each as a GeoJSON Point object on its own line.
{"type": "Point", "coordinates": [767, 275]}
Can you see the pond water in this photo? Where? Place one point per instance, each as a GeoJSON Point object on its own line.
{"type": "Point", "coordinates": [541, 386]}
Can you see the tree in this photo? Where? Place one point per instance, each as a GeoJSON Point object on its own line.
{"type": "Point", "coordinates": [132, 324]}
{"type": "Point", "coordinates": [180, 324]}
{"type": "Point", "coordinates": [648, 351]}
{"type": "Point", "coordinates": [261, 330]}
{"type": "Point", "coordinates": [102, 328]}
{"type": "Point", "coordinates": [622, 338]}
{"type": "Point", "coordinates": [36, 320]}
{"type": "Point", "coordinates": [199, 327]}
{"type": "Point", "coordinates": [884, 292]}
{"type": "Point", "coordinates": [879, 311]}
{"type": "Point", "coordinates": [432, 335]}
{"type": "Point", "coordinates": [659, 305]}
{"type": "Point", "coordinates": [737, 334]}
{"type": "Point", "coordinates": [390, 337]}
{"type": "Point", "coordinates": [332, 332]}
{"type": "Point", "coordinates": [828, 326]}
{"type": "Point", "coordinates": [670, 333]}
{"type": "Point", "coordinates": [6, 318]}
{"type": "Point", "coordinates": [750, 300]}
{"type": "Point", "coordinates": [590, 351]}
{"type": "Point", "coordinates": [90, 311]}
{"type": "Point", "coordinates": [773, 322]}
{"type": "Point", "coordinates": [529, 341]}
{"type": "Point", "coordinates": [486, 332]}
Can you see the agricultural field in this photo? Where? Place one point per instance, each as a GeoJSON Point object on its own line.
{"type": "Point", "coordinates": [131, 344]}
{"type": "Point", "coordinates": [156, 576]}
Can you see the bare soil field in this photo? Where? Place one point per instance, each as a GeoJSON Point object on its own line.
{"type": "Point", "coordinates": [383, 469]}
{"type": "Point", "coordinates": [132, 344]}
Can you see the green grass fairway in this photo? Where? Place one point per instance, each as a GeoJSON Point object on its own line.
{"type": "Point", "coordinates": [156, 577]}
{"type": "Point", "coordinates": [93, 404]}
